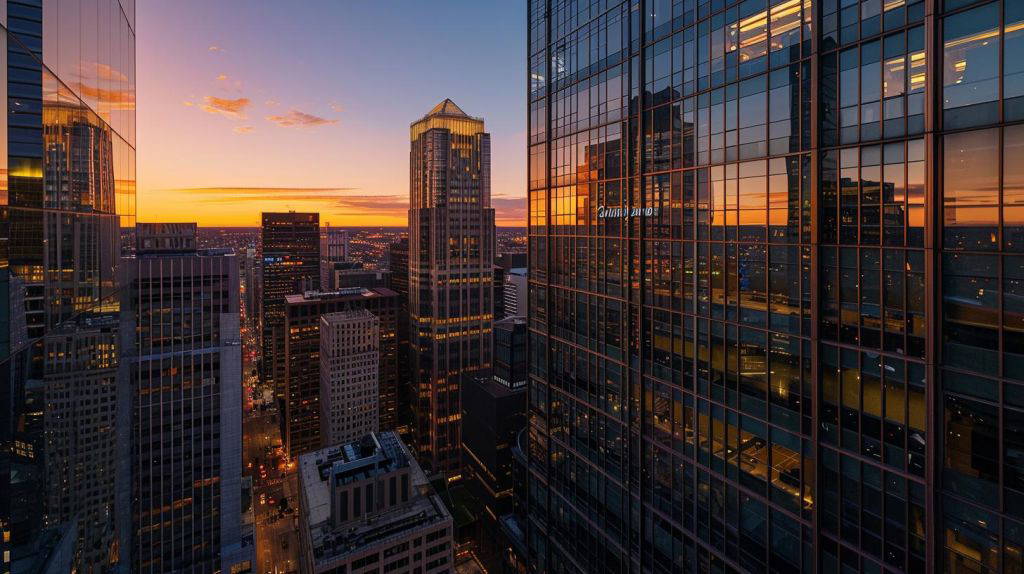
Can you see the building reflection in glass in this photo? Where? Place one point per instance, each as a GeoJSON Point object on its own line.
{"type": "Point", "coordinates": [67, 196]}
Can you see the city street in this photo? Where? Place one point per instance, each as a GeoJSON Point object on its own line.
{"type": "Point", "coordinates": [276, 541]}
{"type": "Point", "coordinates": [274, 479]}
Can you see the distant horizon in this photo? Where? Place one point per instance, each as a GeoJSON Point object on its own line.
{"type": "Point", "coordinates": [333, 226]}
{"type": "Point", "coordinates": [278, 107]}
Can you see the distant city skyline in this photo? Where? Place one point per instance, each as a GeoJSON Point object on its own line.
{"type": "Point", "coordinates": [262, 107]}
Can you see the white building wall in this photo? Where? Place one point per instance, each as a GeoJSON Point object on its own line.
{"type": "Point", "coordinates": [349, 375]}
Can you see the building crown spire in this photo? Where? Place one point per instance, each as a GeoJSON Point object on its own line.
{"type": "Point", "coordinates": [447, 108]}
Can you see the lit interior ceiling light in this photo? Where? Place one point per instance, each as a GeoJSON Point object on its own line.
{"type": "Point", "coordinates": [757, 20]}
{"type": "Point", "coordinates": [786, 9]}
{"type": "Point", "coordinates": [973, 38]}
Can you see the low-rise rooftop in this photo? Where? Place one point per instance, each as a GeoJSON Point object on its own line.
{"type": "Point", "coordinates": [376, 453]}
{"type": "Point", "coordinates": [310, 296]}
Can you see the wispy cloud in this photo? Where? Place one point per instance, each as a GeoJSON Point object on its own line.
{"type": "Point", "coordinates": [222, 77]}
{"type": "Point", "coordinates": [215, 48]}
{"type": "Point", "coordinates": [115, 99]}
{"type": "Point", "coordinates": [187, 103]}
{"type": "Point", "coordinates": [338, 198]}
{"type": "Point", "coordinates": [509, 207]}
{"type": "Point", "coordinates": [234, 109]}
{"type": "Point", "coordinates": [335, 106]}
{"type": "Point", "coordinates": [296, 119]}
{"type": "Point", "coordinates": [383, 204]}
{"type": "Point", "coordinates": [103, 72]}
{"type": "Point", "coordinates": [243, 129]}
{"type": "Point", "coordinates": [227, 194]}
{"type": "Point", "coordinates": [242, 205]}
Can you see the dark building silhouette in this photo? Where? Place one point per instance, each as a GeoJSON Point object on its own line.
{"type": "Point", "coordinates": [290, 256]}
{"type": "Point", "coordinates": [352, 274]}
{"type": "Point", "coordinates": [493, 415]}
{"type": "Point", "coordinates": [249, 266]}
{"type": "Point", "coordinates": [510, 335]}
{"type": "Point", "coordinates": [181, 437]}
{"type": "Point", "coordinates": [398, 277]}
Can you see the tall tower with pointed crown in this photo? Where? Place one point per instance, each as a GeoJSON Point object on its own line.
{"type": "Point", "coordinates": [451, 259]}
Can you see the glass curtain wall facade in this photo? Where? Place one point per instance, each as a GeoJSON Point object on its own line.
{"type": "Point", "coordinates": [979, 288]}
{"type": "Point", "coordinates": [67, 206]}
{"type": "Point", "coordinates": [776, 285]}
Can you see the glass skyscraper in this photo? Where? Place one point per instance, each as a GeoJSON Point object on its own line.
{"type": "Point", "coordinates": [776, 286]}
{"type": "Point", "coordinates": [67, 205]}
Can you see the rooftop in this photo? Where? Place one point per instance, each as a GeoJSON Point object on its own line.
{"type": "Point", "coordinates": [510, 321]}
{"type": "Point", "coordinates": [447, 115]}
{"type": "Point", "coordinates": [376, 453]}
{"type": "Point", "coordinates": [310, 296]}
{"type": "Point", "coordinates": [495, 389]}
{"type": "Point", "coordinates": [342, 316]}
{"type": "Point", "coordinates": [165, 238]}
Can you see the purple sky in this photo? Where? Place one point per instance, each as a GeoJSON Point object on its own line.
{"type": "Point", "coordinates": [250, 106]}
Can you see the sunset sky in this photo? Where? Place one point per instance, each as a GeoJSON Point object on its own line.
{"type": "Point", "coordinates": [247, 106]}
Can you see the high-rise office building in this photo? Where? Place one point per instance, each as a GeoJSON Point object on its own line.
{"type": "Point", "coordinates": [68, 187]}
{"type": "Point", "coordinates": [503, 264]}
{"type": "Point", "coordinates": [493, 415]}
{"type": "Point", "coordinates": [181, 433]}
{"type": "Point", "coordinates": [300, 419]}
{"type": "Point", "coordinates": [514, 292]}
{"type": "Point", "coordinates": [352, 274]}
{"type": "Point", "coordinates": [499, 290]}
{"type": "Point", "coordinates": [349, 381]}
{"type": "Point", "coordinates": [512, 259]}
{"type": "Point", "coordinates": [778, 244]}
{"type": "Point", "coordinates": [510, 335]}
{"type": "Point", "coordinates": [290, 257]}
{"type": "Point", "coordinates": [333, 249]}
{"type": "Point", "coordinates": [366, 506]}
{"type": "Point", "coordinates": [451, 259]}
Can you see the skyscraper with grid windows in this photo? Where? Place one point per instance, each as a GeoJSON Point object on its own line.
{"type": "Point", "coordinates": [67, 203]}
{"type": "Point", "coordinates": [290, 251]}
{"type": "Point", "coordinates": [775, 285]}
{"type": "Point", "coordinates": [451, 274]}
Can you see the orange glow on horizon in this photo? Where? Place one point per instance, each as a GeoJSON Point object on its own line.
{"type": "Point", "coordinates": [241, 207]}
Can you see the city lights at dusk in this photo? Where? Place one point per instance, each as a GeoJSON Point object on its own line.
{"type": "Point", "coordinates": [512, 287]}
